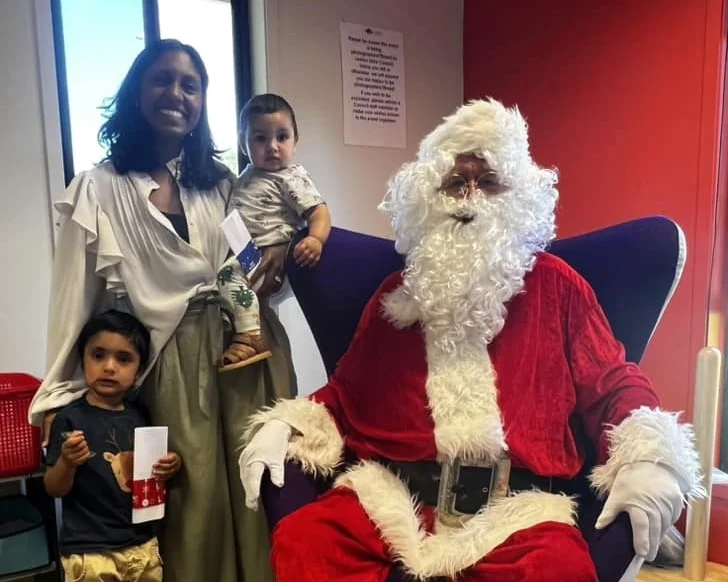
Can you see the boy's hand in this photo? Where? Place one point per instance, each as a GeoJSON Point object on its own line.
{"type": "Point", "coordinates": [74, 450]}
{"type": "Point", "coordinates": [308, 252]}
{"type": "Point", "coordinates": [167, 467]}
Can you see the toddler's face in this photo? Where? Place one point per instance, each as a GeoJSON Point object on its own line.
{"type": "Point", "coordinates": [110, 365]}
{"type": "Point", "coordinates": [270, 141]}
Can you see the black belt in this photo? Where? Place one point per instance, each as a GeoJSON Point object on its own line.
{"type": "Point", "coordinates": [473, 485]}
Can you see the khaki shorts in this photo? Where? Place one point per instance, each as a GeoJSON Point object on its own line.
{"type": "Point", "coordinates": [135, 564]}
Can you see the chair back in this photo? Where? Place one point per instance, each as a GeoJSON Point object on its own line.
{"type": "Point", "coordinates": [633, 267]}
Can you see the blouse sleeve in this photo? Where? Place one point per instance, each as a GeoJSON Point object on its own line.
{"type": "Point", "coordinates": [85, 263]}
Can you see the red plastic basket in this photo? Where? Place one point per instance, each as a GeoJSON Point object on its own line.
{"type": "Point", "coordinates": [19, 441]}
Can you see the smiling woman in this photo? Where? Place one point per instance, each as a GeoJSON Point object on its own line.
{"type": "Point", "coordinates": [88, 77]}
{"type": "Point", "coordinates": [160, 107]}
{"type": "Point", "coordinates": [171, 99]}
{"type": "Point", "coordinates": [141, 233]}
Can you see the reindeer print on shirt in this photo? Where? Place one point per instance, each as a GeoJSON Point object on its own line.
{"type": "Point", "coordinates": [121, 462]}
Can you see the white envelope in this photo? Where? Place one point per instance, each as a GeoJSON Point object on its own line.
{"type": "Point", "coordinates": [238, 237]}
{"type": "Point", "coordinates": [150, 445]}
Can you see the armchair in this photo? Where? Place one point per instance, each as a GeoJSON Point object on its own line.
{"type": "Point", "coordinates": [633, 267]}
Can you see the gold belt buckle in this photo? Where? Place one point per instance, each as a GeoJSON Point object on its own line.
{"type": "Point", "coordinates": [449, 475]}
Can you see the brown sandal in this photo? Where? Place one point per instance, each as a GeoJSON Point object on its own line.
{"type": "Point", "coordinates": [245, 349]}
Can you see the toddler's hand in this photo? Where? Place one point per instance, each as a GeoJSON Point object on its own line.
{"type": "Point", "coordinates": [74, 450]}
{"type": "Point", "coordinates": [167, 467]}
{"type": "Point", "coordinates": [307, 253]}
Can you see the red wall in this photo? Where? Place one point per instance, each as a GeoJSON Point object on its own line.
{"type": "Point", "coordinates": [624, 98]}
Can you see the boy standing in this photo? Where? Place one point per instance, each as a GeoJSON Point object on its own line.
{"type": "Point", "coordinates": [90, 457]}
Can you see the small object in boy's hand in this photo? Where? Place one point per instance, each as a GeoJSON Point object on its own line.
{"type": "Point", "coordinates": [74, 450]}
{"type": "Point", "coordinates": [65, 435]}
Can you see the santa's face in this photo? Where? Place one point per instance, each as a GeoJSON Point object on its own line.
{"type": "Point", "coordinates": [471, 175]}
{"type": "Point", "coordinates": [478, 236]}
{"type": "Point", "coordinates": [464, 190]}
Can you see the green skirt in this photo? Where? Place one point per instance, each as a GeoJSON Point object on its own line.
{"type": "Point", "coordinates": [207, 532]}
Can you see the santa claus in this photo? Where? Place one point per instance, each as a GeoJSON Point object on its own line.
{"type": "Point", "coordinates": [464, 399]}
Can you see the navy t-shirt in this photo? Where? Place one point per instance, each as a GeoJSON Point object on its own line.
{"type": "Point", "coordinates": [97, 510]}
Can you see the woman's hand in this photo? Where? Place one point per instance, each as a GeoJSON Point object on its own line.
{"type": "Point", "coordinates": [271, 270]}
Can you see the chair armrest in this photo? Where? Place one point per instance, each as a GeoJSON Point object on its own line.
{"type": "Point", "coordinates": [298, 490]}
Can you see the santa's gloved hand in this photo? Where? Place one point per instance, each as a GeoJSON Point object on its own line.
{"type": "Point", "coordinates": [268, 448]}
{"type": "Point", "coordinates": [650, 494]}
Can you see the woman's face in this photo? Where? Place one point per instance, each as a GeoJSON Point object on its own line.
{"type": "Point", "coordinates": [171, 98]}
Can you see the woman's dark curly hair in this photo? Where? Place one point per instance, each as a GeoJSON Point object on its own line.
{"type": "Point", "coordinates": [129, 139]}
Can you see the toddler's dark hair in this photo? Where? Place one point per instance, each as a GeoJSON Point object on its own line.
{"type": "Point", "coordinates": [263, 104]}
{"type": "Point", "coordinates": [119, 322]}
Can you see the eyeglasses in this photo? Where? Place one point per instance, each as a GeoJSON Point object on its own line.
{"type": "Point", "coordinates": [458, 186]}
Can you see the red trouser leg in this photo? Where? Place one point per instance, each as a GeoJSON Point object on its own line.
{"type": "Point", "coordinates": [548, 552]}
{"type": "Point", "coordinates": [333, 540]}
{"type": "Point", "coordinates": [329, 540]}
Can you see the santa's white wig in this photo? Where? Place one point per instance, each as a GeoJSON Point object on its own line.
{"type": "Point", "coordinates": [461, 273]}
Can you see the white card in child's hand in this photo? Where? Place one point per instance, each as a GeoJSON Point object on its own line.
{"type": "Point", "coordinates": [148, 494]}
{"type": "Point", "coordinates": [242, 245]}
{"type": "Point", "coordinates": [235, 232]}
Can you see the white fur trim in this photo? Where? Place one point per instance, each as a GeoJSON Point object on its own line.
{"type": "Point", "coordinates": [461, 388]}
{"type": "Point", "coordinates": [652, 435]}
{"type": "Point", "coordinates": [400, 308]}
{"type": "Point", "coordinates": [449, 550]}
{"type": "Point", "coordinates": [315, 441]}
{"type": "Point", "coordinates": [463, 400]}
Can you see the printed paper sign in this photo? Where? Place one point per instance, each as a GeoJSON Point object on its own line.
{"type": "Point", "coordinates": [372, 66]}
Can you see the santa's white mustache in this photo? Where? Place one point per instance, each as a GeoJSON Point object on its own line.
{"type": "Point", "coordinates": [464, 210]}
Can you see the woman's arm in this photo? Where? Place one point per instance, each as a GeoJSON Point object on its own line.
{"type": "Point", "coordinates": [75, 291]}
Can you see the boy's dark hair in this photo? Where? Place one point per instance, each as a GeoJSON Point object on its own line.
{"type": "Point", "coordinates": [264, 104]}
{"type": "Point", "coordinates": [128, 138]}
{"type": "Point", "coordinates": [119, 322]}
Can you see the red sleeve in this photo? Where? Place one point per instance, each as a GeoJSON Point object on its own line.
{"type": "Point", "coordinates": [607, 387]}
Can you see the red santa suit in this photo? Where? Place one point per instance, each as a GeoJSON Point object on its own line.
{"type": "Point", "coordinates": [554, 372]}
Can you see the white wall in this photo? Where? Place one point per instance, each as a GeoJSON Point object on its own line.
{"type": "Point", "coordinates": [303, 61]}
{"type": "Point", "coordinates": [300, 59]}
{"type": "Point", "coordinates": [29, 165]}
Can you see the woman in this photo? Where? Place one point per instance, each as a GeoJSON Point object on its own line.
{"type": "Point", "coordinates": [141, 232]}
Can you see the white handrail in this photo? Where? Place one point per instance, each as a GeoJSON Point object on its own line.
{"type": "Point", "coordinates": [705, 420]}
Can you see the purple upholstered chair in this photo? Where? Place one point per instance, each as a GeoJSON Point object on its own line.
{"type": "Point", "coordinates": [633, 267]}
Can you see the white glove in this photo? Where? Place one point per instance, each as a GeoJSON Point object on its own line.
{"type": "Point", "coordinates": [268, 448]}
{"type": "Point", "coordinates": [650, 494]}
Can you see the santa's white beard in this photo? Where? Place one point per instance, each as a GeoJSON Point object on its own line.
{"type": "Point", "coordinates": [462, 274]}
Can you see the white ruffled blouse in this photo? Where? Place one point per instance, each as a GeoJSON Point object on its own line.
{"type": "Point", "coordinates": [116, 249]}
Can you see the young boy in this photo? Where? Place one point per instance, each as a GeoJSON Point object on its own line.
{"type": "Point", "coordinates": [90, 459]}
